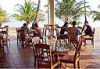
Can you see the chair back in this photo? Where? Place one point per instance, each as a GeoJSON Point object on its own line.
{"type": "Point", "coordinates": [20, 33]}
{"type": "Point", "coordinates": [42, 55]}
{"type": "Point", "coordinates": [41, 50]}
{"type": "Point", "coordinates": [57, 32]}
{"type": "Point", "coordinates": [93, 31]}
{"type": "Point", "coordinates": [4, 31]}
{"type": "Point", "coordinates": [1, 41]}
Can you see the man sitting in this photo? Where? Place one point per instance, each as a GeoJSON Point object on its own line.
{"type": "Point", "coordinates": [88, 33]}
{"type": "Point", "coordinates": [88, 30]}
{"type": "Point", "coordinates": [63, 31]}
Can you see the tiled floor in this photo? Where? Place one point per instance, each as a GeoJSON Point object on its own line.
{"type": "Point", "coordinates": [17, 57]}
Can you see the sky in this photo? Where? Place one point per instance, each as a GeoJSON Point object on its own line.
{"type": "Point", "coordinates": [9, 6]}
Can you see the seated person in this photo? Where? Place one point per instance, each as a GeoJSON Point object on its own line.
{"type": "Point", "coordinates": [63, 31]}
{"type": "Point", "coordinates": [37, 30]}
{"type": "Point", "coordinates": [25, 28]}
{"type": "Point", "coordinates": [88, 33]}
{"type": "Point", "coordinates": [88, 30]}
{"type": "Point", "coordinates": [22, 33]}
{"type": "Point", "coordinates": [64, 27]}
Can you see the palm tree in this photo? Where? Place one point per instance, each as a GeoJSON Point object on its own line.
{"type": "Point", "coordinates": [38, 7]}
{"type": "Point", "coordinates": [26, 12]}
{"type": "Point", "coordinates": [96, 14]}
{"type": "Point", "coordinates": [3, 16]}
{"type": "Point", "coordinates": [71, 9]}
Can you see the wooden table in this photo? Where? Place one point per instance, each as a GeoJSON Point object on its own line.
{"type": "Point", "coordinates": [58, 54]}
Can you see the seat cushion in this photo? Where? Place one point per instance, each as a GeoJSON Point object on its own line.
{"type": "Point", "coordinates": [86, 37]}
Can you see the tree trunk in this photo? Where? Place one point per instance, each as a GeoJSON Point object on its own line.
{"type": "Point", "coordinates": [38, 7]}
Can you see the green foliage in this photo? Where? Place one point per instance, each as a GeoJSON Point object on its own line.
{"type": "Point", "coordinates": [3, 16]}
{"type": "Point", "coordinates": [96, 15]}
{"type": "Point", "coordinates": [26, 12]}
{"type": "Point", "coordinates": [71, 9]}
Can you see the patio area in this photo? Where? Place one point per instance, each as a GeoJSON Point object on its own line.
{"type": "Point", "coordinates": [17, 57]}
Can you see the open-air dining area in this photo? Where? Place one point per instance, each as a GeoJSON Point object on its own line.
{"type": "Point", "coordinates": [49, 34]}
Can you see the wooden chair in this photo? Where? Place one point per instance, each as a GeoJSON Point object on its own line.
{"type": "Point", "coordinates": [33, 35]}
{"type": "Point", "coordinates": [1, 47]}
{"type": "Point", "coordinates": [61, 38]}
{"type": "Point", "coordinates": [4, 31]}
{"type": "Point", "coordinates": [43, 58]}
{"type": "Point", "coordinates": [87, 37]}
{"type": "Point", "coordinates": [25, 38]}
{"type": "Point", "coordinates": [21, 37]}
{"type": "Point", "coordinates": [48, 32]}
{"type": "Point", "coordinates": [18, 35]}
{"type": "Point", "coordinates": [72, 59]}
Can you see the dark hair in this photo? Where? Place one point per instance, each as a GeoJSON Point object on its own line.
{"type": "Point", "coordinates": [24, 24]}
{"type": "Point", "coordinates": [74, 23]}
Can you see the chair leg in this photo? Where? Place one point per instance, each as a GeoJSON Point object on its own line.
{"type": "Point", "coordinates": [92, 41]}
{"type": "Point", "coordinates": [84, 42]}
{"type": "Point", "coordinates": [22, 43]}
{"type": "Point", "coordinates": [60, 43]}
{"type": "Point", "coordinates": [9, 42]}
{"type": "Point", "coordinates": [56, 45]}
{"type": "Point", "coordinates": [74, 65]}
{"type": "Point", "coordinates": [35, 62]}
{"type": "Point", "coordinates": [65, 41]}
{"type": "Point", "coordinates": [17, 41]}
{"type": "Point", "coordinates": [2, 52]}
{"type": "Point", "coordinates": [60, 65]}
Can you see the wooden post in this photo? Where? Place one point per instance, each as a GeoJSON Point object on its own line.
{"type": "Point", "coordinates": [52, 13]}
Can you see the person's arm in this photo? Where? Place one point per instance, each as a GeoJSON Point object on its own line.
{"type": "Point", "coordinates": [83, 28]}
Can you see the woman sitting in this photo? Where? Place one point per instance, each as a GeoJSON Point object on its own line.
{"type": "Point", "coordinates": [36, 29]}
{"type": "Point", "coordinates": [25, 28]}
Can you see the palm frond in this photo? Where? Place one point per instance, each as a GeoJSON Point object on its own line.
{"type": "Point", "coordinates": [96, 15]}
{"type": "Point", "coordinates": [3, 16]}
{"type": "Point", "coordinates": [26, 12]}
{"type": "Point", "coordinates": [71, 8]}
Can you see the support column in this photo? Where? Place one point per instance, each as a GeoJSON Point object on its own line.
{"type": "Point", "coordinates": [51, 4]}
{"type": "Point", "coordinates": [52, 13]}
